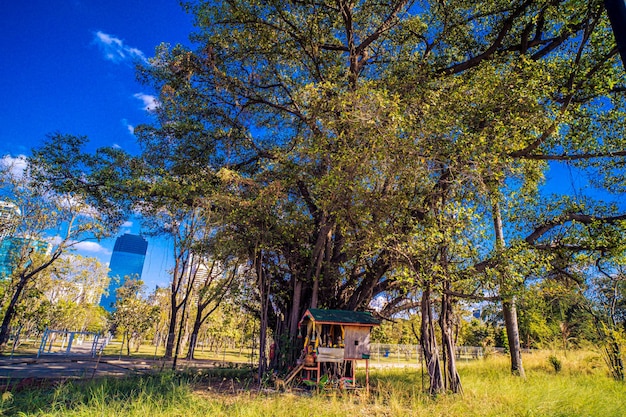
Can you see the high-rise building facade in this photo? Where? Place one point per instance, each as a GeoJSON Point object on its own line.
{"type": "Point", "coordinates": [14, 251]}
{"type": "Point", "coordinates": [197, 270]}
{"type": "Point", "coordinates": [9, 214]}
{"type": "Point", "coordinates": [127, 261]}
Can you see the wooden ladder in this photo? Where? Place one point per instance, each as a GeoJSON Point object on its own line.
{"type": "Point", "coordinates": [293, 373]}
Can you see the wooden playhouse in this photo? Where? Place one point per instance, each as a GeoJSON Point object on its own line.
{"type": "Point", "coordinates": [333, 341]}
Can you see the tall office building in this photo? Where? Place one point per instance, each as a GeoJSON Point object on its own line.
{"type": "Point", "coordinates": [9, 214]}
{"type": "Point", "coordinates": [127, 260]}
{"type": "Point", "coordinates": [199, 270]}
{"type": "Point", "coordinates": [14, 251]}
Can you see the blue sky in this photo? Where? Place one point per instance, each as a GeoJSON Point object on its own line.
{"type": "Point", "coordinates": [68, 66]}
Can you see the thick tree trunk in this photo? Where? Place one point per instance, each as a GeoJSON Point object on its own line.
{"type": "Point", "coordinates": [429, 345]}
{"type": "Point", "coordinates": [183, 320]}
{"type": "Point", "coordinates": [171, 331]}
{"type": "Point", "coordinates": [446, 321]}
{"type": "Point", "coordinates": [193, 340]}
{"type": "Point", "coordinates": [509, 310]}
{"type": "Point", "coordinates": [263, 338]}
{"type": "Point", "coordinates": [264, 295]}
{"type": "Point", "coordinates": [10, 312]}
{"type": "Point", "coordinates": [325, 234]}
{"type": "Point", "coordinates": [315, 292]}
{"type": "Point", "coordinates": [295, 307]}
{"type": "Point", "coordinates": [316, 279]}
{"type": "Point", "coordinates": [613, 353]}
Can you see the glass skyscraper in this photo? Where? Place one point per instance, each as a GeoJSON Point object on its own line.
{"type": "Point", "coordinates": [9, 213]}
{"type": "Point", "coordinates": [127, 261]}
{"type": "Point", "coordinates": [14, 251]}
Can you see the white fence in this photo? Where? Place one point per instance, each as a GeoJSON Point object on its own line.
{"type": "Point", "coordinates": [67, 343]}
{"type": "Point", "coordinates": [412, 354]}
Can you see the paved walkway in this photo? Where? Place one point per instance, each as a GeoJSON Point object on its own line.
{"type": "Point", "coordinates": [60, 366]}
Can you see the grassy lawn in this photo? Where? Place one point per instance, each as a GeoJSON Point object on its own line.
{"type": "Point", "coordinates": [149, 351]}
{"type": "Point", "coordinates": [581, 388]}
{"type": "Point", "coordinates": [225, 356]}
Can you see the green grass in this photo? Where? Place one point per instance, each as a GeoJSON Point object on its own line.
{"type": "Point", "coordinates": [149, 351]}
{"type": "Point", "coordinates": [107, 397]}
{"type": "Point", "coordinates": [582, 387]}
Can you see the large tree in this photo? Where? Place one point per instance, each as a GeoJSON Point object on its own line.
{"type": "Point", "coordinates": [335, 136]}
{"type": "Point", "coordinates": [362, 116]}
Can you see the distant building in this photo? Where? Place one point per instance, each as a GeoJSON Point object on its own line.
{"type": "Point", "coordinates": [197, 270]}
{"type": "Point", "coordinates": [9, 212]}
{"type": "Point", "coordinates": [14, 250]}
{"type": "Point", "coordinates": [127, 261]}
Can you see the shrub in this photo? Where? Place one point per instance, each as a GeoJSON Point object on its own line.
{"type": "Point", "coordinates": [555, 362]}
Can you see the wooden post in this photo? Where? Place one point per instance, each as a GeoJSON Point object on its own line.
{"type": "Point", "coordinates": [318, 370]}
{"type": "Point", "coordinates": [367, 376]}
{"type": "Point", "coordinates": [353, 362]}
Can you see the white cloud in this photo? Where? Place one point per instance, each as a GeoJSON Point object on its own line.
{"type": "Point", "coordinates": [150, 103]}
{"type": "Point", "coordinates": [16, 165]}
{"type": "Point", "coordinates": [127, 227]}
{"type": "Point", "coordinates": [115, 50]}
{"type": "Point", "coordinates": [92, 247]}
{"type": "Point", "coordinates": [131, 128]}
{"type": "Point", "coordinates": [87, 248]}
{"type": "Point", "coordinates": [378, 303]}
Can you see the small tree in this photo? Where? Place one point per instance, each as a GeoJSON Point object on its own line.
{"type": "Point", "coordinates": [133, 315]}
{"type": "Point", "coordinates": [183, 227]}
{"type": "Point", "coordinates": [214, 284]}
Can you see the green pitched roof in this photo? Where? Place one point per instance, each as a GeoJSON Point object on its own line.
{"type": "Point", "coordinates": [341, 316]}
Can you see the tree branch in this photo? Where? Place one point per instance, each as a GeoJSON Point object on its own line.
{"type": "Point", "coordinates": [571, 217]}
{"type": "Point", "coordinates": [491, 50]}
{"type": "Point", "coordinates": [570, 157]}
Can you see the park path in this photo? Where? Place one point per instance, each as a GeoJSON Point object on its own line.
{"type": "Point", "coordinates": [81, 366]}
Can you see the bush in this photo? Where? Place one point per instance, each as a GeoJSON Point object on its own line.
{"type": "Point", "coordinates": [556, 363]}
